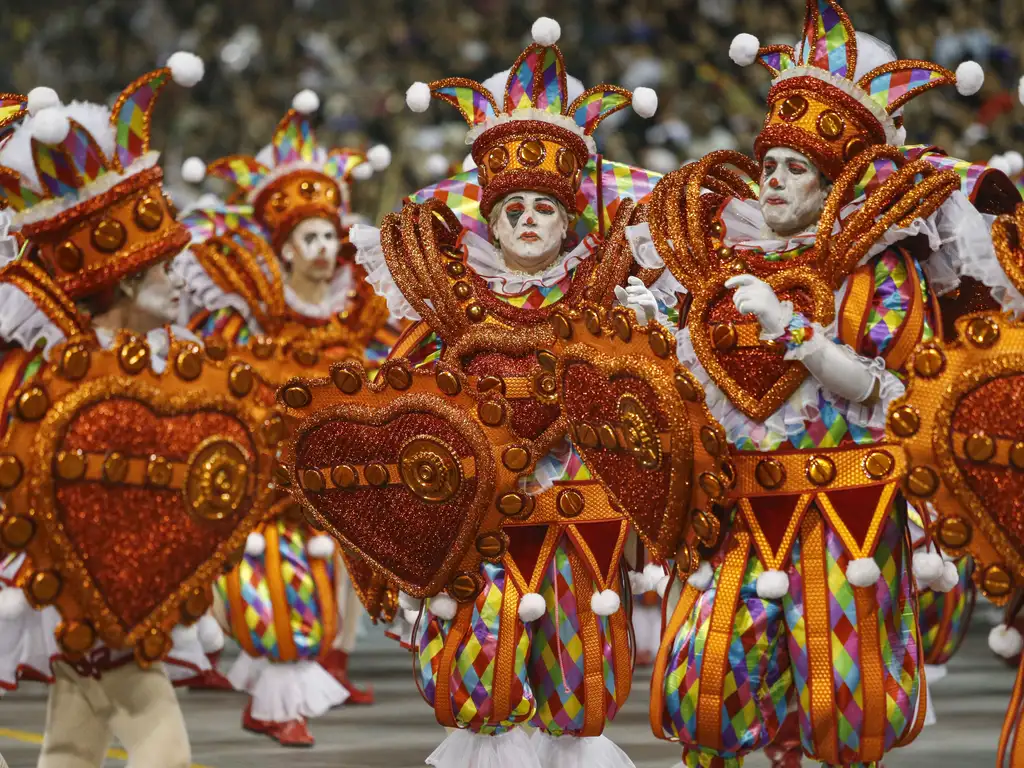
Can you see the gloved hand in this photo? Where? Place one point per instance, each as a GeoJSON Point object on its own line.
{"type": "Point", "coordinates": [755, 297]}
{"type": "Point", "coordinates": [638, 297]}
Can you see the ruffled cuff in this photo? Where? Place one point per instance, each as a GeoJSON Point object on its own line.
{"type": "Point", "coordinates": [23, 322]}
{"type": "Point", "coordinates": [370, 256]}
{"type": "Point", "coordinates": [202, 292]}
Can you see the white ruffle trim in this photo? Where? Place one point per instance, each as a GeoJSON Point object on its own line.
{"type": "Point", "coordinates": [284, 692]}
{"type": "Point", "coordinates": [202, 292]}
{"type": "Point", "coordinates": [27, 640]}
{"type": "Point", "coordinates": [579, 752]}
{"type": "Point", "coordinates": [977, 259]}
{"type": "Point", "coordinates": [400, 629]}
{"type": "Point", "coordinates": [370, 256]}
{"type": "Point", "coordinates": [464, 749]}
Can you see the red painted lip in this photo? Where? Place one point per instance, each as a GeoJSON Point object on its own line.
{"type": "Point", "coordinates": [775, 201]}
{"type": "Point", "coordinates": [530, 236]}
{"type": "Point", "coordinates": [321, 263]}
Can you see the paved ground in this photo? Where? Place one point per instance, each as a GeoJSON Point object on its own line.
{"type": "Point", "coordinates": [970, 703]}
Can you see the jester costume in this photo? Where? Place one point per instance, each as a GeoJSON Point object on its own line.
{"type": "Point", "coordinates": [808, 602]}
{"type": "Point", "coordinates": [290, 603]}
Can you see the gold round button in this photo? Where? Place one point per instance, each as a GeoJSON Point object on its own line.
{"type": "Point", "coordinates": [115, 467]}
{"type": "Point", "coordinates": [448, 383]}
{"type": "Point", "coordinates": [148, 213]}
{"type": "Point", "coordinates": [531, 152]}
{"type": "Point", "coordinates": [592, 321]}
{"type": "Point", "coordinates": [475, 312]}
{"type": "Point", "coordinates": [297, 396]}
{"type": "Point", "coordinates": [281, 477]}
{"type": "Point", "coordinates": [44, 587]}
{"type": "Point", "coordinates": [723, 336]}
{"type": "Point", "coordinates": [831, 125]}
{"type": "Point", "coordinates": [376, 475]}
{"type": "Point", "coordinates": [241, 380]}
{"type": "Point", "coordinates": [954, 532]}
{"type": "Point", "coordinates": [68, 256]}
{"type": "Point", "coordinates": [154, 645]}
{"type": "Point", "coordinates": [793, 108]}
{"type": "Point", "coordinates": [710, 440]}
{"type": "Point", "coordinates": [705, 526]}
{"type": "Point", "coordinates": [725, 254]}
{"type": "Point", "coordinates": [262, 347]}
{"type": "Point", "coordinates": [1017, 456]}
{"type": "Point", "coordinates": [561, 326]}
{"type": "Point", "coordinates": [511, 504]}
{"type": "Point", "coordinates": [491, 545]}
{"type": "Point", "coordinates": [108, 235]}
{"type": "Point", "coordinates": [74, 363]}
{"type": "Point", "coordinates": [878, 464]}
{"type": "Point", "coordinates": [346, 381]}
{"type": "Point", "coordinates": [928, 363]}
{"type": "Point", "coordinates": [685, 387]}
{"type": "Point", "coordinates": [17, 531]}
{"type": "Point", "coordinates": [491, 413]}
{"type": "Point", "coordinates": [497, 159]}
{"type": "Point", "coordinates": [570, 503]}
{"type": "Point", "coordinates": [32, 404]}
{"type": "Point", "coordinates": [216, 349]}
{"type": "Point", "coordinates": [278, 201]}
{"type": "Point", "coordinates": [490, 382]}
{"type": "Point", "coordinates": [70, 464]}
{"type": "Point", "coordinates": [455, 269]}
{"type": "Point", "coordinates": [189, 364]}
{"type": "Point", "coordinates": [462, 290]}
{"type": "Point", "coordinates": [660, 342]}
{"type": "Point", "coordinates": [587, 436]}
{"type": "Point", "coordinates": [312, 480]}
{"type": "Point", "coordinates": [159, 471]}
{"type": "Point", "coordinates": [996, 581]}
{"type": "Point", "coordinates": [606, 434]}
{"type": "Point", "coordinates": [515, 458]}
{"type": "Point", "coordinates": [195, 605]}
{"type": "Point", "coordinates": [821, 470]}
{"type": "Point", "coordinates": [854, 147]}
{"type": "Point", "coordinates": [979, 447]}
{"type": "Point", "coordinates": [983, 332]}
{"type": "Point", "coordinates": [274, 430]}
{"type": "Point", "coordinates": [905, 421]}
{"type": "Point", "coordinates": [770, 473]}
{"type": "Point", "coordinates": [76, 637]}
{"type": "Point", "coordinates": [621, 326]}
{"type": "Point", "coordinates": [464, 587]}
{"type": "Point", "coordinates": [922, 482]}
{"type": "Point", "coordinates": [133, 356]}
{"type": "Point", "coordinates": [344, 476]}
{"type": "Point", "coordinates": [10, 472]}
{"type": "Point", "coordinates": [305, 356]}
{"type": "Point", "coordinates": [399, 378]}
{"type": "Point", "coordinates": [307, 189]}
{"type": "Point", "coordinates": [711, 484]}
{"type": "Point", "coordinates": [565, 161]}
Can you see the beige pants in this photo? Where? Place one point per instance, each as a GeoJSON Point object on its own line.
{"type": "Point", "coordinates": [138, 706]}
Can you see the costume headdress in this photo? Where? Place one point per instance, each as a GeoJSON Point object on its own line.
{"type": "Point", "coordinates": [816, 105]}
{"type": "Point", "coordinates": [293, 178]}
{"type": "Point", "coordinates": [84, 186]}
{"type": "Point", "coordinates": [537, 140]}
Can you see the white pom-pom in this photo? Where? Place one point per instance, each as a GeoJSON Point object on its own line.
{"type": "Point", "coordinates": [743, 49]}
{"type": "Point", "coordinates": [306, 102]}
{"type": "Point", "coordinates": [41, 98]}
{"type": "Point", "coordinates": [417, 98]}
{"type": "Point", "coordinates": [969, 78]}
{"type": "Point", "coordinates": [662, 587]}
{"type": "Point", "coordinates": [12, 603]}
{"type": "Point", "coordinates": [1005, 641]}
{"type": "Point", "coordinates": [320, 547]}
{"type": "Point", "coordinates": [645, 102]}
{"type": "Point", "coordinates": [255, 544]}
{"type": "Point", "coordinates": [408, 602]}
{"type": "Point", "coordinates": [442, 606]}
{"type": "Point", "coordinates": [948, 579]}
{"type": "Point", "coordinates": [362, 172]}
{"type": "Point", "coordinates": [1000, 163]}
{"type": "Point", "coordinates": [546, 31]}
{"type": "Point", "coordinates": [863, 572]}
{"type": "Point", "coordinates": [211, 636]}
{"type": "Point", "coordinates": [379, 157]}
{"type": "Point", "coordinates": [605, 603]}
{"type": "Point", "coordinates": [772, 585]}
{"type": "Point", "coordinates": [702, 577]}
{"type": "Point", "coordinates": [1020, 90]}
{"type": "Point", "coordinates": [1015, 160]}
{"type": "Point", "coordinates": [193, 170]}
{"type": "Point", "coordinates": [927, 568]}
{"type": "Point", "coordinates": [436, 165]}
{"type": "Point", "coordinates": [468, 163]}
{"type": "Point", "coordinates": [187, 69]}
{"type": "Point", "coordinates": [531, 607]}
{"type": "Point", "coordinates": [50, 127]}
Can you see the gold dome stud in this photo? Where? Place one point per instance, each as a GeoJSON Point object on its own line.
{"type": "Point", "coordinates": [954, 532]}
{"type": "Point", "coordinates": [44, 587]}
{"type": "Point", "coordinates": [928, 363]}
{"type": "Point", "coordinates": [76, 637]}
{"type": "Point", "coordinates": [70, 464]}
{"type": "Point", "coordinates": [515, 458]}
{"type": "Point", "coordinates": [148, 213]}
{"type": "Point", "coordinates": [189, 364]}
{"type": "Point", "coordinates": [297, 396]}
{"type": "Point", "coordinates": [905, 421]}
{"type": "Point", "coordinates": [570, 503]}
{"type": "Point", "coordinates": [878, 464]}
{"type": "Point", "coordinates": [10, 472]}
{"type": "Point", "coordinates": [983, 332]}
{"type": "Point", "coordinates": [32, 404]}
{"type": "Point", "coordinates": [344, 476]}
{"type": "Point", "coordinates": [17, 531]}
{"type": "Point", "coordinates": [68, 256]}
{"type": "Point", "coordinates": [241, 380]}
{"type": "Point", "coordinates": [109, 235]}
{"type": "Point", "coordinates": [821, 470]}
{"type": "Point", "coordinates": [770, 473]}
{"type": "Point", "coordinates": [979, 447]}
{"type": "Point", "coordinates": [448, 383]}
{"type": "Point", "coordinates": [346, 381]}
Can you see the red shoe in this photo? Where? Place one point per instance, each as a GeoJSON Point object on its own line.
{"type": "Point", "coordinates": [336, 664]}
{"type": "Point", "coordinates": [294, 733]}
{"type": "Point", "coordinates": [251, 724]}
{"type": "Point", "coordinates": [210, 680]}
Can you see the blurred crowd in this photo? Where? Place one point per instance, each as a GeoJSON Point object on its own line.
{"type": "Point", "coordinates": [360, 56]}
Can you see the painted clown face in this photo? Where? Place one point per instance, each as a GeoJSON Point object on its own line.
{"type": "Point", "coordinates": [793, 192]}
{"type": "Point", "coordinates": [311, 250]}
{"type": "Point", "coordinates": [529, 229]}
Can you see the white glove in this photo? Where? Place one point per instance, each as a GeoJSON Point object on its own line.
{"type": "Point", "coordinates": [638, 297]}
{"type": "Point", "coordinates": [755, 297]}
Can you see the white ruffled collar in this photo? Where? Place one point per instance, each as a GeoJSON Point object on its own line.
{"type": "Point", "coordinates": [486, 261]}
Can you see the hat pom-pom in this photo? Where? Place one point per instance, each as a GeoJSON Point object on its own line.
{"type": "Point", "coordinates": [408, 602]}
{"type": "Point", "coordinates": [379, 157]}
{"type": "Point", "coordinates": [436, 165]}
{"type": "Point", "coordinates": [1000, 163]}
{"type": "Point", "coordinates": [187, 69]}
{"type": "Point", "coordinates": [50, 127]}
{"type": "Point", "coordinates": [1015, 160]}
{"type": "Point", "coordinates": [193, 170]}
{"type": "Point", "coordinates": [1020, 90]}
{"type": "Point", "coordinates": [417, 98]}
{"type": "Point", "coordinates": [41, 98]}
{"type": "Point", "coordinates": [306, 102]}
{"type": "Point", "coordinates": [546, 31]}
{"type": "Point", "coordinates": [255, 544]}
{"type": "Point", "coordinates": [645, 102]}
{"type": "Point", "coordinates": [772, 584]}
{"type": "Point", "coordinates": [531, 607]}
{"type": "Point", "coordinates": [1005, 641]}
{"type": "Point", "coordinates": [362, 172]}
{"type": "Point", "coordinates": [743, 49]}
{"type": "Point", "coordinates": [969, 78]}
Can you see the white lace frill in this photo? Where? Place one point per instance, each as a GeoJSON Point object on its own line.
{"type": "Point", "coordinates": [284, 692]}
{"type": "Point", "coordinates": [370, 256]}
{"type": "Point", "coordinates": [579, 752]}
{"type": "Point", "coordinates": [201, 292]}
{"type": "Point", "coordinates": [464, 749]}
{"type": "Point", "coordinates": [21, 320]}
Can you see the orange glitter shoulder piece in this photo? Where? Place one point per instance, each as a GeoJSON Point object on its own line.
{"type": "Point", "coordinates": [640, 422]}
{"type": "Point", "coordinates": [414, 473]}
{"type": "Point", "coordinates": [130, 490]}
{"type": "Point", "coordinates": [1008, 239]}
{"type": "Point", "coordinates": [961, 422]}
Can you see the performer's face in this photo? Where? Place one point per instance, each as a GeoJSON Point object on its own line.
{"type": "Point", "coordinates": [530, 229]}
{"type": "Point", "coordinates": [793, 192]}
{"type": "Point", "coordinates": [312, 248]}
{"type": "Point", "coordinates": [158, 293]}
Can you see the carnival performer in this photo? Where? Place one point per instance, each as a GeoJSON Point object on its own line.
{"type": "Point", "coordinates": [803, 306]}
{"type": "Point", "coordinates": [66, 170]}
{"type": "Point", "coordinates": [273, 273]}
{"type": "Point", "coordinates": [561, 659]}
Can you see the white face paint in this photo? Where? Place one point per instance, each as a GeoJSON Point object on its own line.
{"type": "Point", "coordinates": [158, 293]}
{"type": "Point", "coordinates": [311, 250]}
{"type": "Point", "coordinates": [529, 229]}
{"type": "Point", "coordinates": [792, 192]}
